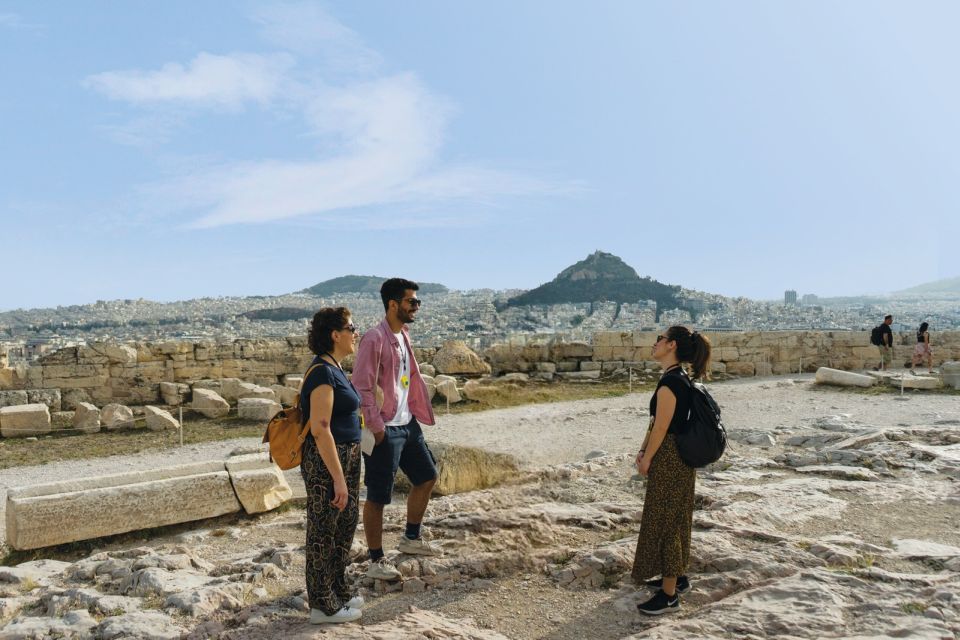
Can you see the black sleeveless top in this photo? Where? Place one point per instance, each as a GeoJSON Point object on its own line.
{"type": "Point", "coordinates": [920, 336]}
{"type": "Point", "coordinates": [676, 380]}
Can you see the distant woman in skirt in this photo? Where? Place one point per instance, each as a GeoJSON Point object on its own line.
{"type": "Point", "coordinates": [663, 548]}
{"type": "Point", "coordinates": [922, 350]}
{"type": "Point", "coordinates": [331, 467]}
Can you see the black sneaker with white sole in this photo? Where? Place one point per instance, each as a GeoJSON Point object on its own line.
{"type": "Point", "coordinates": [683, 584]}
{"type": "Point", "coordinates": [660, 603]}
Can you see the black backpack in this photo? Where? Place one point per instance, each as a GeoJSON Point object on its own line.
{"type": "Point", "coordinates": [705, 438]}
{"type": "Point", "coordinates": [876, 336]}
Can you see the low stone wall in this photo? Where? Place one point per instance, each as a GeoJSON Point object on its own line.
{"type": "Point", "coordinates": [746, 353]}
{"type": "Point", "coordinates": [131, 374]}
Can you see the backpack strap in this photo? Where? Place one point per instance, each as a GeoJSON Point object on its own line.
{"type": "Point", "coordinates": [304, 381]}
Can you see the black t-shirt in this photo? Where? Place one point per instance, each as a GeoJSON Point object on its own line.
{"type": "Point", "coordinates": [344, 419]}
{"type": "Point", "coordinates": [886, 335]}
{"type": "Point", "coordinates": [676, 381]}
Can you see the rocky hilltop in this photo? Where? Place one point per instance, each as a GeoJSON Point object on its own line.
{"type": "Point", "coordinates": [600, 277]}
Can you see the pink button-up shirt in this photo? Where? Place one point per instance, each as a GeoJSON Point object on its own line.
{"type": "Point", "coordinates": [375, 372]}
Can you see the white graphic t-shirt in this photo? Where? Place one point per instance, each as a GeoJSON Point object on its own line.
{"type": "Point", "coordinates": [403, 415]}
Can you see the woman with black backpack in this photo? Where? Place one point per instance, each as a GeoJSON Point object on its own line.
{"type": "Point", "coordinates": [663, 547]}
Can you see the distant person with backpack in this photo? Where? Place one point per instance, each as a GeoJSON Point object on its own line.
{"type": "Point", "coordinates": [882, 336]}
{"type": "Point", "coordinates": [922, 349]}
{"type": "Point", "coordinates": [331, 467]}
{"type": "Point", "coordinates": [663, 547]}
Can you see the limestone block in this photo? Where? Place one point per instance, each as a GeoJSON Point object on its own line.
{"type": "Point", "coordinates": [160, 420]}
{"type": "Point", "coordinates": [107, 352]}
{"type": "Point", "coordinates": [284, 394]}
{"type": "Point", "coordinates": [456, 358]}
{"type": "Point", "coordinates": [580, 375]}
{"type": "Point", "coordinates": [86, 418]}
{"type": "Point", "coordinates": [293, 381]}
{"type": "Point", "coordinates": [427, 369]}
{"type": "Point", "coordinates": [919, 382]}
{"type": "Point", "coordinates": [49, 397]}
{"type": "Point", "coordinates": [174, 393]}
{"type": "Point", "coordinates": [116, 416]}
{"type": "Point", "coordinates": [588, 365]}
{"type": "Point", "coordinates": [609, 366]}
{"type": "Point", "coordinates": [950, 372]}
{"type": "Point", "coordinates": [24, 420]}
{"type": "Point", "coordinates": [763, 369]}
{"type": "Point", "coordinates": [741, 368]}
{"type": "Point", "coordinates": [12, 398]}
{"type": "Point", "coordinates": [248, 390]}
{"type": "Point", "coordinates": [826, 375]}
{"type": "Point", "coordinates": [209, 403]}
{"type": "Point", "coordinates": [567, 366]}
{"type": "Point", "coordinates": [515, 377]}
{"type": "Point", "coordinates": [570, 350]}
{"type": "Point", "coordinates": [477, 391]}
{"type": "Point", "coordinates": [643, 338]}
{"type": "Point", "coordinates": [206, 383]}
{"type": "Point", "coordinates": [431, 390]}
{"type": "Point", "coordinates": [718, 367]}
{"type": "Point", "coordinates": [546, 367]}
{"type": "Point", "coordinates": [84, 508]}
{"type": "Point", "coordinates": [259, 483]}
{"type": "Point", "coordinates": [230, 389]}
{"type": "Point", "coordinates": [447, 387]}
{"type": "Point", "coordinates": [604, 353]}
{"type": "Point", "coordinates": [262, 409]}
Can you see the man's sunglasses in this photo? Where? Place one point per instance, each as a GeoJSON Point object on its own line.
{"type": "Point", "coordinates": [413, 302]}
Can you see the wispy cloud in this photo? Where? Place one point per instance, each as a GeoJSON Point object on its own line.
{"type": "Point", "coordinates": [309, 30]}
{"type": "Point", "coordinates": [16, 21]}
{"type": "Point", "coordinates": [380, 136]}
{"type": "Point", "coordinates": [208, 80]}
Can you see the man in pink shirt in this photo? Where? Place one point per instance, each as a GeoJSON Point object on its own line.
{"type": "Point", "coordinates": [394, 401]}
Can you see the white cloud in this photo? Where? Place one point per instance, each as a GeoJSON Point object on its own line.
{"type": "Point", "coordinates": [379, 137]}
{"type": "Point", "coordinates": [219, 80]}
{"type": "Point", "coordinates": [308, 29]}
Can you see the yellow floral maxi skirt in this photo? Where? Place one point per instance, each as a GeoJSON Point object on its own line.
{"type": "Point", "coordinates": [663, 548]}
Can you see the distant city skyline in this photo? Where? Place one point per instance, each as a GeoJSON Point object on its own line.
{"type": "Point", "coordinates": [256, 148]}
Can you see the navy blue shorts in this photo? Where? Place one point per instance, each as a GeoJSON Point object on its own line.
{"type": "Point", "coordinates": [403, 448]}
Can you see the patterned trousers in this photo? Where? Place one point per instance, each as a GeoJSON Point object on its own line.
{"type": "Point", "coordinates": [329, 531]}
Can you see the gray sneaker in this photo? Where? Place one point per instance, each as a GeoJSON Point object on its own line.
{"type": "Point", "coordinates": [418, 547]}
{"type": "Point", "coordinates": [383, 569]}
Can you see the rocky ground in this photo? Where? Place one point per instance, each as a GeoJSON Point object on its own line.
{"type": "Point", "coordinates": [833, 514]}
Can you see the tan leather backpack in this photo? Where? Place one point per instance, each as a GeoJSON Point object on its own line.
{"type": "Point", "coordinates": [286, 435]}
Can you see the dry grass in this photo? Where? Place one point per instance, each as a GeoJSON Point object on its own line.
{"type": "Point", "coordinates": [513, 395]}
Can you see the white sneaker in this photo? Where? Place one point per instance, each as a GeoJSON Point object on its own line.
{"type": "Point", "coordinates": [356, 602]}
{"type": "Point", "coordinates": [383, 569]}
{"type": "Point", "coordinates": [345, 614]}
{"type": "Point", "coordinates": [419, 547]}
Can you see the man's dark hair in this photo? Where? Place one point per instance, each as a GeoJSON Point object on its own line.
{"type": "Point", "coordinates": [888, 317]}
{"type": "Point", "coordinates": [394, 288]}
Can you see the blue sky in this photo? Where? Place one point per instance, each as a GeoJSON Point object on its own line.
{"type": "Point", "coordinates": [184, 149]}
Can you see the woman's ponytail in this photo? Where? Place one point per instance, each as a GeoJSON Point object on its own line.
{"type": "Point", "coordinates": [693, 348]}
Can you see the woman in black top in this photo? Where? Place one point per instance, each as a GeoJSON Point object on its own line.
{"type": "Point", "coordinates": [331, 467]}
{"type": "Point", "coordinates": [922, 350]}
{"type": "Point", "coordinates": [663, 548]}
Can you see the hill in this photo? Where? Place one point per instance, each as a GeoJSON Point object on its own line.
{"type": "Point", "coordinates": [946, 286]}
{"type": "Point", "coordinates": [362, 284]}
{"type": "Point", "coordinates": [600, 276]}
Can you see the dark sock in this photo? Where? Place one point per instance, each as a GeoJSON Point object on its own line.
{"type": "Point", "coordinates": [375, 554]}
{"type": "Point", "coordinates": [413, 531]}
